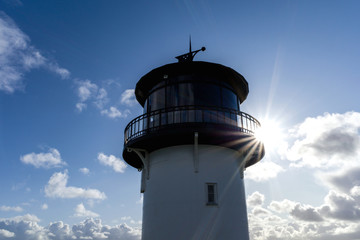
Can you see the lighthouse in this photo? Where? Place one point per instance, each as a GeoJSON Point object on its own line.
{"type": "Point", "coordinates": [192, 144]}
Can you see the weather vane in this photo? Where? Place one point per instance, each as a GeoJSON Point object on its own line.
{"type": "Point", "coordinates": [188, 57]}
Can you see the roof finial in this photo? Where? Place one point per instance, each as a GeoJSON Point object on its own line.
{"type": "Point", "coordinates": [188, 57]}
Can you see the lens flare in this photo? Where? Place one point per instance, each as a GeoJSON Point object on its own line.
{"type": "Point", "coordinates": [270, 133]}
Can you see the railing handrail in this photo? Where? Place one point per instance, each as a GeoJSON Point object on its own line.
{"type": "Point", "coordinates": [190, 114]}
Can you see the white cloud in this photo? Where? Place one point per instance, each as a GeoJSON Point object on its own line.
{"type": "Point", "coordinates": [23, 227]}
{"type": "Point", "coordinates": [255, 199]}
{"type": "Point", "coordinates": [343, 180]}
{"type": "Point", "coordinates": [25, 218]}
{"type": "Point", "coordinates": [6, 234]}
{"type": "Point", "coordinates": [263, 171]}
{"type": "Point", "coordinates": [101, 98]}
{"type": "Point", "coordinates": [56, 188]}
{"type": "Point", "coordinates": [46, 160]}
{"type": "Point", "coordinates": [331, 140]}
{"type": "Point", "coordinates": [136, 222]}
{"type": "Point", "coordinates": [59, 230]}
{"type": "Point", "coordinates": [17, 56]}
{"type": "Point", "coordinates": [8, 208]}
{"type": "Point", "coordinates": [44, 206]}
{"type": "Point", "coordinates": [94, 229]}
{"type": "Point", "coordinates": [257, 210]}
{"type": "Point", "coordinates": [81, 211]}
{"type": "Point", "coordinates": [33, 59]}
{"type": "Point", "coordinates": [84, 171]}
{"type": "Point", "coordinates": [115, 163]}
{"type": "Point", "coordinates": [80, 106]}
{"type": "Point", "coordinates": [128, 97]}
{"type": "Point", "coordinates": [86, 90]}
{"type": "Point", "coordinates": [282, 206]}
{"type": "Point", "coordinates": [113, 112]}
{"type": "Point", "coordinates": [343, 199]}
{"type": "Point", "coordinates": [355, 191]}
{"type": "Point", "coordinates": [62, 72]}
{"type": "Point", "coordinates": [306, 213]}
{"type": "Point", "coordinates": [340, 206]}
{"type": "Point", "coordinates": [27, 227]}
{"type": "Point", "coordinates": [130, 220]}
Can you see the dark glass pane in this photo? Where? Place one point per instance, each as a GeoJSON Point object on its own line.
{"type": "Point", "coordinates": [145, 106]}
{"type": "Point", "coordinates": [213, 116]}
{"type": "Point", "coordinates": [191, 115]}
{"type": "Point", "coordinates": [229, 99]}
{"type": "Point", "coordinates": [145, 121]}
{"type": "Point", "coordinates": [149, 100]}
{"type": "Point", "coordinates": [186, 94]}
{"type": "Point", "coordinates": [176, 116]}
{"type": "Point", "coordinates": [170, 118]}
{"type": "Point", "coordinates": [211, 198]}
{"type": "Point", "coordinates": [198, 116]}
{"type": "Point", "coordinates": [211, 189]}
{"type": "Point", "coordinates": [163, 118]}
{"type": "Point", "coordinates": [172, 95]}
{"type": "Point", "coordinates": [207, 94]}
{"type": "Point", "coordinates": [157, 100]}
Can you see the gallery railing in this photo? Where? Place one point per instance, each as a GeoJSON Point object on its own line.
{"type": "Point", "coordinates": [190, 114]}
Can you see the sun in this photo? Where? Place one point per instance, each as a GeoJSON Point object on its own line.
{"type": "Point", "coordinates": [271, 134]}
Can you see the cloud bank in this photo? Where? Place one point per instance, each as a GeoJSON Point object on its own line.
{"type": "Point", "coordinates": [338, 217]}
{"type": "Point", "coordinates": [27, 227]}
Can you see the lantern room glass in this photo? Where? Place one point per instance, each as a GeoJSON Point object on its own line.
{"type": "Point", "coordinates": [191, 94]}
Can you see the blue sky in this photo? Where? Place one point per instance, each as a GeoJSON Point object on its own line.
{"type": "Point", "coordinates": [67, 74]}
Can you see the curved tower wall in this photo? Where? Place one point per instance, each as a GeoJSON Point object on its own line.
{"type": "Point", "coordinates": [176, 198]}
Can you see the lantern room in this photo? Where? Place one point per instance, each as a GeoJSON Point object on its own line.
{"type": "Point", "coordinates": [182, 98]}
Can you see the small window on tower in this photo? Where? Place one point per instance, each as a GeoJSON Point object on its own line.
{"type": "Point", "coordinates": [211, 194]}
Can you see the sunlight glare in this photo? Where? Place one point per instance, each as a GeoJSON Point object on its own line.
{"type": "Point", "coordinates": [270, 134]}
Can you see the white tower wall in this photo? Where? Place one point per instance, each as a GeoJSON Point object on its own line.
{"type": "Point", "coordinates": [175, 197]}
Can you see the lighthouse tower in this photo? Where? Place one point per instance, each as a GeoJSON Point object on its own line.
{"type": "Point", "coordinates": [192, 144]}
